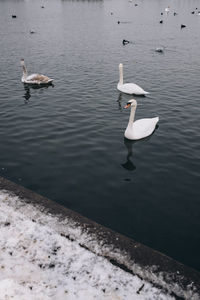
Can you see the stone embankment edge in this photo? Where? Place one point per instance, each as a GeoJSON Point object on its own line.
{"type": "Point", "coordinates": [162, 271]}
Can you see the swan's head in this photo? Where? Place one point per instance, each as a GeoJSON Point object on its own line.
{"type": "Point", "coordinates": [131, 102]}
{"type": "Point", "coordinates": [22, 62]}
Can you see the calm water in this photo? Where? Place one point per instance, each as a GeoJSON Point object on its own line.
{"type": "Point", "coordinates": [66, 142]}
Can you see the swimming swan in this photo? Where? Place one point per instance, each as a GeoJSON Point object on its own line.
{"type": "Point", "coordinates": [129, 88]}
{"type": "Point", "coordinates": [140, 128]}
{"type": "Point", "coordinates": [33, 78]}
{"type": "Point", "coordinates": [167, 9]}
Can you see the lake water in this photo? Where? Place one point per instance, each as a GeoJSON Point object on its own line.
{"type": "Point", "coordinates": [66, 141]}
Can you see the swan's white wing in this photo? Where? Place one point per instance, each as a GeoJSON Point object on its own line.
{"type": "Point", "coordinates": [141, 128]}
{"type": "Point", "coordinates": [144, 127]}
{"type": "Point", "coordinates": [131, 88]}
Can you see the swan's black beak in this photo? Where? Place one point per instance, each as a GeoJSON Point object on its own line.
{"type": "Point", "coordinates": [127, 105]}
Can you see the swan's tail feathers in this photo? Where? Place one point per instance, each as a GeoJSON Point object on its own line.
{"type": "Point", "coordinates": [146, 93]}
{"type": "Point", "coordinates": [156, 120]}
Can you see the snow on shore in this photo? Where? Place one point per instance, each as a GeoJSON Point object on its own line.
{"type": "Point", "coordinates": [37, 262]}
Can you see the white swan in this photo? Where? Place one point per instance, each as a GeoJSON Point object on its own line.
{"type": "Point", "coordinates": [167, 9]}
{"type": "Point", "coordinates": [140, 128]}
{"type": "Point", "coordinates": [129, 88]}
{"type": "Point", "coordinates": [33, 78]}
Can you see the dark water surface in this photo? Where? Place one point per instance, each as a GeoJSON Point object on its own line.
{"type": "Point", "coordinates": [66, 142]}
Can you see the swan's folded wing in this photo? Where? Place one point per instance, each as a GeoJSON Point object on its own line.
{"type": "Point", "coordinates": [131, 88]}
{"type": "Point", "coordinates": [144, 127]}
{"type": "Point", "coordinates": [38, 78]}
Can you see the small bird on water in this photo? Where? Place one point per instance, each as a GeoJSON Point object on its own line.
{"type": "Point", "coordinates": [125, 42]}
{"type": "Point", "coordinates": [159, 49]}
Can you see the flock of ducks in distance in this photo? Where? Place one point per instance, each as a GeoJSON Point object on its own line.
{"type": "Point", "coordinates": [135, 130]}
{"type": "Point", "coordinates": [167, 10]}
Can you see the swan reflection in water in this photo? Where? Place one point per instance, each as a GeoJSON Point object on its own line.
{"type": "Point", "coordinates": [119, 101]}
{"type": "Point", "coordinates": [28, 87]}
{"type": "Point", "coordinates": [128, 165]}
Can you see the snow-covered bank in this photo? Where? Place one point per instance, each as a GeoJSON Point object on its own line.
{"type": "Point", "coordinates": [45, 256]}
{"type": "Point", "coordinates": [38, 263]}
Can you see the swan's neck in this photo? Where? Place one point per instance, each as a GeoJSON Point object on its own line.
{"type": "Point", "coordinates": [121, 75]}
{"type": "Point", "coordinates": [132, 116]}
{"type": "Point", "coordinates": [24, 71]}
